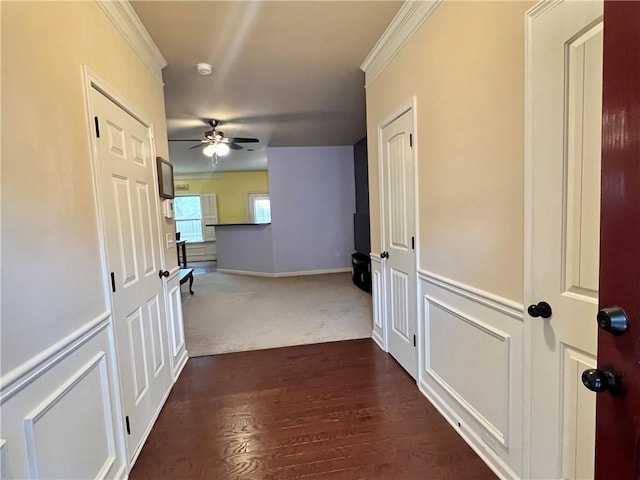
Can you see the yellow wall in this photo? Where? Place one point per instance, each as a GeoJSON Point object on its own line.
{"type": "Point", "coordinates": [52, 281]}
{"type": "Point", "coordinates": [231, 189]}
{"type": "Point", "coordinates": [465, 65]}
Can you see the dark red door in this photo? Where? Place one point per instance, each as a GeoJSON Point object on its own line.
{"type": "Point", "coordinates": [618, 417]}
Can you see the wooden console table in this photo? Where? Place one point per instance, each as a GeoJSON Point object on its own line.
{"type": "Point", "coordinates": [184, 275]}
{"type": "Point", "coordinates": [182, 244]}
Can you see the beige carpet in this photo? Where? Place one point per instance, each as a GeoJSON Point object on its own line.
{"type": "Point", "coordinates": [232, 313]}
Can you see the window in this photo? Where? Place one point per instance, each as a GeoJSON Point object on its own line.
{"type": "Point", "coordinates": [259, 208]}
{"type": "Point", "coordinates": [188, 212]}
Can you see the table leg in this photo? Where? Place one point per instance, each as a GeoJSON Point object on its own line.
{"type": "Point", "coordinates": [184, 255]}
{"type": "Point", "coordinates": [191, 283]}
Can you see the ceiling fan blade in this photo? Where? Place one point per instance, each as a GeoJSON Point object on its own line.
{"type": "Point", "coordinates": [195, 146]}
{"type": "Point", "coordinates": [189, 140]}
{"type": "Point", "coordinates": [243, 140]}
{"type": "Point", "coordinates": [235, 146]}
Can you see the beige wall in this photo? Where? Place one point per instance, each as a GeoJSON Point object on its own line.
{"type": "Point", "coordinates": [52, 282]}
{"type": "Point", "coordinates": [466, 67]}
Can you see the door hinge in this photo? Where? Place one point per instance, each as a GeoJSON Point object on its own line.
{"type": "Point", "coordinates": [414, 340]}
{"type": "Point", "coordinates": [126, 420]}
{"type": "Point", "coordinates": [410, 139]}
{"type": "Point", "coordinates": [113, 282]}
{"type": "Point", "coordinates": [95, 119]}
{"type": "Point", "coordinates": [413, 243]}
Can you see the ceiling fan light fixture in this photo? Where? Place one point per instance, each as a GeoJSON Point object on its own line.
{"type": "Point", "coordinates": [222, 149]}
{"type": "Point", "coordinates": [210, 150]}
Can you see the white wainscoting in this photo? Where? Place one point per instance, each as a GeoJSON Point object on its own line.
{"type": "Point", "coordinates": [378, 333]}
{"type": "Point", "coordinates": [200, 251]}
{"type": "Point", "coordinates": [61, 418]}
{"type": "Point", "coordinates": [177, 346]}
{"type": "Point", "coordinates": [471, 367]}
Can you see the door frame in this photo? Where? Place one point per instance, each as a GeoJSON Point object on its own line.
{"type": "Point", "coordinates": [91, 81]}
{"type": "Point", "coordinates": [409, 105]}
{"type": "Point", "coordinates": [527, 352]}
{"type": "Point", "coordinates": [538, 9]}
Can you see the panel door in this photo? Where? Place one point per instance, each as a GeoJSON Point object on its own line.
{"type": "Point", "coordinates": [398, 197]}
{"type": "Point", "coordinates": [618, 417]}
{"type": "Point", "coordinates": [130, 209]}
{"type": "Point", "coordinates": [566, 102]}
{"type": "Point", "coordinates": [209, 216]}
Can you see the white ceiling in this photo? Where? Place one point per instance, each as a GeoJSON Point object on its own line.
{"type": "Point", "coordinates": [286, 72]}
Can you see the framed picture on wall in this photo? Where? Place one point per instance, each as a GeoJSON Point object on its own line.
{"type": "Point", "coordinates": [165, 178]}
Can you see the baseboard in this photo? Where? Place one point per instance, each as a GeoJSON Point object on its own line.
{"type": "Point", "coordinates": [495, 463]}
{"type": "Point", "coordinates": [284, 274]}
{"type": "Point", "coordinates": [181, 364]}
{"type": "Point", "coordinates": [312, 272]}
{"type": "Point", "coordinates": [246, 272]}
{"type": "Point", "coordinates": [122, 473]}
{"type": "Point", "coordinates": [378, 339]}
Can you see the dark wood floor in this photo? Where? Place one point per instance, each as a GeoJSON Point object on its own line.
{"type": "Point", "coordinates": [342, 410]}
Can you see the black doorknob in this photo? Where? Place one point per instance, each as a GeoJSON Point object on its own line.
{"type": "Point", "coordinates": [163, 273]}
{"type": "Point", "coordinates": [384, 255]}
{"type": "Point", "coordinates": [603, 381]}
{"type": "Point", "coordinates": [612, 320]}
{"type": "Point", "coordinates": [542, 309]}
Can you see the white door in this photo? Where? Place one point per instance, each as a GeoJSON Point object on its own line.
{"type": "Point", "coordinates": [565, 133]}
{"type": "Point", "coordinates": [209, 216]}
{"type": "Point", "coordinates": [129, 200]}
{"type": "Point", "coordinates": [398, 239]}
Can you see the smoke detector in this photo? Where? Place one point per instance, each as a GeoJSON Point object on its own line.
{"type": "Point", "coordinates": [204, 68]}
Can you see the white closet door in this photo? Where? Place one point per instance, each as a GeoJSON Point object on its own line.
{"type": "Point", "coordinates": [209, 216]}
{"type": "Point", "coordinates": [130, 199]}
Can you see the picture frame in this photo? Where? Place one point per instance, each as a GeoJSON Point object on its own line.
{"type": "Point", "coordinates": [165, 178]}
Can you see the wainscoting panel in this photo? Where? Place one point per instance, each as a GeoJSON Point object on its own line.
{"type": "Point", "coordinates": [43, 424]}
{"type": "Point", "coordinates": [377, 294]}
{"type": "Point", "coordinates": [471, 367]}
{"type": "Point", "coordinates": [199, 252]}
{"type": "Point", "coordinates": [458, 371]}
{"type": "Point", "coordinates": [176, 326]}
{"type": "Point", "coordinates": [62, 418]}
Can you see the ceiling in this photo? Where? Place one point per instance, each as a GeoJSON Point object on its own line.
{"type": "Point", "coordinates": [286, 72]}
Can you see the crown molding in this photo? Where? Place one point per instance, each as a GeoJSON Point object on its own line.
{"type": "Point", "coordinates": [407, 21]}
{"type": "Point", "coordinates": [541, 7]}
{"type": "Point", "coordinates": [127, 22]}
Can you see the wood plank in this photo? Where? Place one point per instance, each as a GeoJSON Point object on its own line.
{"type": "Point", "coordinates": [341, 410]}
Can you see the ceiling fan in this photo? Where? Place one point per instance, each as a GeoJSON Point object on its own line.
{"type": "Point", "coordinates": [216, 144]}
